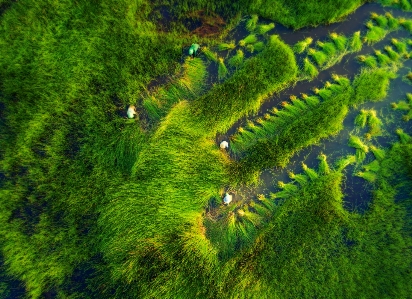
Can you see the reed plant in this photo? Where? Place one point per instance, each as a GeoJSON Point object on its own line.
{"type": "Point", "coordinates": [378, 152]}
{"type": "Point", "coordinates": [392, 54]}
{"type": "Point", "coordinates": [362, 118]}
{"type": "Point", "coordinates": [250, 39]}
{"type": "Point", "coordinates": [355, 43]}
{"type": "Point", "coordinates": [367, 175]}
{"type": "Point", "coordinates": [309, 69]}
{"type": "Point", "coordinates": [374, 33]}
{"type": "Point", "coordinates": [407, 24]}
{"type": "Point", "coordinates": [318, 56]}
{"type": "Point", "coordinates": [400, 46]}
{"type": "Point", "coordinates": [226, 46]}
{"type": "Point", "coordinates": [252, 22]}
{"type": "Point", "coordinates": [340, 41]}
{"type": "Point", "coordinates": [262, 29]}
{"type": "Point", "coordinates": [404, 137]}
{"type": "Point", "coordinates": [237, 59]}
{"type": "Point", "coordinates": [393, 23]}
{"type": "Point", "coordinates": [302, 45]}
{"type": "Point", "coordinates": [369, 60]}
{"type": "Point", "coordinates": [212, 56]}
{"type": "Point", "coordinates": [382, 58]}
{"type": "Point", "coordinates": [222, 69]}
{"type": "Point", "coordinates": [381, 20]}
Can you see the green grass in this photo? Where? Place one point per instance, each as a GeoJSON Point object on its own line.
{"type": "Point", "coordinates": [369, 60]}
{"type": "Point", "coordinates": [407, 24]}
{"type": "Point", "coordinates": [374, 33]}
{"type": "Point", "coordinates": [318, 56]}
{"type": "Point", "coordinates": [222, 70]}
{"type": "Point", "coordinates": [340, 41]}
{"type": "Point", "coordinates": [302, 45]}
{"type": "Point", "coordinates": [237, 59]}
{"type": "Point", "coordinates": [212, 56]}
{"type": "Point", "coordinates": [226, 46]}
{"type": "Point", "coordinates": [250, 39]}
{"type": "Point", "coordinates": [362, 118]}
{"type": "Point", "coordinates": [262, 29]}
{"type": "Point", "coordinates": [252, 22]}
{"type": "Point", "coordinates": [355, 43]}
{"type": "Point", "coordinates": [380, 20]}
{"type": "Point", "coordinates": [401, 47]}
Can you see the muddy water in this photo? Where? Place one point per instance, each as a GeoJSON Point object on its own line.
{"type": "Point", "coordinates": [357, 191]}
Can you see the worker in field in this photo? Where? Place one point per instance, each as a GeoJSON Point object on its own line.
{"type": "Point", "coordinates": [193, 50]}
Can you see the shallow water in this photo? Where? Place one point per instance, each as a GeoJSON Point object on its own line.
{"type": "Point", "coordinates": [357, 191]}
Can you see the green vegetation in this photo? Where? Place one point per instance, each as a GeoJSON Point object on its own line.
{"type": "Point", "coordinates": [405, 106]}
{"type": "Point", "coordinates": [96, 205]}
{"type": "Point", "coordinates": [375, 33]}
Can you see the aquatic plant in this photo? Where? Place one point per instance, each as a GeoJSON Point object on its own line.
{"type": "Point", "coordinates": [237, 59]}
{"type": "Point", "coordinates": [302, 45]}
{"type": "Point", "coordinates": [355, 43]}
{"type": "Point", "coordinates": [367, 175]}
{"type": "Point", "coordinates": [262, 29]}
{"type": "Point", "coordinates": [378, 152]}
{"type": "Point", "coordinates": [407, 24]}
{"type": "Point", "coordinates": [381, 20]}
{"type": "Point", "coordinates": [393, 22]}
{"type": "Point", "coordinates": [345, 162]}
{"type": "Point", "coordinates": [212, 56]}
{"type": "Point", "coordinates": [404, 138]}
{"type": "Point", "coordinates": [374, 33]}
{"type": "Point", "coordinates": [382, 58]}
{"type": "Point", "coordinates": [354, 141]}
{"type": "Point", "coordinates": [328, 48]}
{"type": "Point", "coordinates": [339, 40]}
{"type": "Point", "coordinates": [374, 123]}
{"type": "Point", "coordinates": [318, 56]}
{"type": "Point", "coordinates": [222, 70]}
{"type": "Point", "coordinates": [259, 46]}
{"type": "Point", "coordinates": [373, 166]}
{"type": "Point", "coordinates": [401, 47]}
{"type": "Point", "coordinates": [323, 165]}
{"type": "Point", "coordinates": [250, 39]}
{"type": "Point", "coordinates": [251, 23]}
{"type": "Point", "coordinates": [362, 118]}
{"type": "Point", "coordinates": [309, 68]}
{"type": "Point", "coordinates": [226, 46]}
{"type": "Point", "coordinates": [391, 53]}
{"type": "Point", "coordinates": [311, 173]}
{"type": "Point", "coordinates": [369, 60]}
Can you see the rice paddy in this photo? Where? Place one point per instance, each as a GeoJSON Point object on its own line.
{"type": "Point", "coordinates": [96, 202]}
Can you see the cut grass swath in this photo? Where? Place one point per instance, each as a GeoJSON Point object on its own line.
{"type": "Point", "coordinates": [309, 68]}
{"type": "Point", "coordinates": [302, 45]}
{"type": "Point", "coordinates": [367, 175]}
{"type": "Point", "coordinates": [369, 60]}
{"type": "Point", "coordinates": [362, 118]}
{"type": "Point", "coordinates": [222, 70]}
{"type": "Point", "coordinates": [340, 41]}
{"type": "Point", "coordinates": [374, 33]}
{"type": "Point", "coordinates": [355, 43]}
{"type": "Point", "coordinates": [378, 152]}
{"type": "Point", "coordinates": [404, 138]}
{"type": "Point", "coordinates": [250, 39]}
{"type": "Point", "coordinates": [262, 29]}
{"type": "Point", "coordinates": [251, 23]}
{"type": "Point", "coordinates": [237, 59]}
{"type": "Point", "coordinates": [318, 56]}
{"type": "Point", "coordinates": [381, 20]}
{"type": "Point", "coordinates": [226, 46]}
{"type": "Point", "coordinates": [212, 56]}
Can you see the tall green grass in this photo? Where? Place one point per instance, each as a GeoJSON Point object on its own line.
{"type": "Point", "coordinates": [302, 45]}
{"type": "Point", "coordinates": [237, 59]}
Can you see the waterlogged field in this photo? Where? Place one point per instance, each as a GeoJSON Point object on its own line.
{"type": "Point", "coordinates": [94, 204]}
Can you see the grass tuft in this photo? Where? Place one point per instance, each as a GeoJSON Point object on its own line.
{"type": "Point", "coordinates": [362, 118]}
{"type": "Point", "coordinates": [226, 46]}
{"type": "Point", "coordinates": [354, 141]}
{"type": "Point", "coordinates": [382, 58]}
{"type": "Point", "coordinates": [309, 69]}
{"type": "Point", "coordinates": [407, 24]}
{"type": "Point", "coordinates": [355, 43]}
{"type": "Point", "coordinates": [367, 175]}
{"type": "Point", "coordinates": [339, 40]}
{"type": "Point", "coordinates": [250, 39]}
{"type": "Point", "coordinates": [318, 56]}
{"type": "Point", "coordinates": [369, 60]}
{"type": "Point", "coordinates": [374, 34]}
{"type": "Point", "coordinates": [222, 69]}
{"type": "Point", "coordinates": [212, 56]}
{"type": "Point", "coordinates": [401, 47]}
{"type": "Point", "coordinates": [381, 20]}
{"type": "Point", "coordinates": [323, 165]}
{"type": "Point", "coordinates": [392, 54]}
{"type": "Point", "coordinates": [311, 173]}
{"type": "Point", "coordinates": [302, 45]}
{"type": "Point", "coordinates": [262, 29]}
{"type": "Point", "coordinates": [252, 22]}
{"type": "Point", "coordinates": [378, 152]}
{"type": "Point", "coordinates": [393, 22]}
{"type": "Point", "coordinates": [345, 162]}
{"type": "Point", "coordinates": [237, 59]}
{"type": "Point", "coordinates": [404, 138]}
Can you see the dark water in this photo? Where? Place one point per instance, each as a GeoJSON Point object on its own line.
{"type": "Point", "coordinates": [357, 190]}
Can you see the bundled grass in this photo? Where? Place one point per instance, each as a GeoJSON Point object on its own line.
{"type": "Point", "coordinates": [382, 58]}
{"type": "Point", "coordinates": [301, 179]}
{"type": "Point", "coordinates": [404, 138]}
{"type": "Point", "coordinates": [309, 69]}
{"type": "Point", "coordinates": [222, 69]}
{"type": "Point", "coordinates": [372, 85]}
{"type": "Point", "coordinates": [369, 60]}
{"type": "Point", "coordinates": [212, 56]}
{"type": "Point", "coordinates": [328, 48]}
{"type": "Point", "coordinates": [367, 175]}
{"type": "Point", "coordinates": [259, 46]}
{"type": "Point", "coordinates": [374, 33]}
{"type": "Point", "coordinates": [381, 20]}
{"type": "Point", "coordinates": [374, 123]}
{"type": "Point", "coordinates": [373, 166]}
{"type": "Point", "coordinates": [323, 165]}
{"type": "Point", "coordinates": [324, 93]}
{"type": "Point", "coordinates": [312, 101]}
{"type": "Point", "coordinates": [226, 46]}
{"type": "Point", "coordinates": [355, 43]}
{"type": "Point", "coordinates": [401, 47]}
{"type": "Point", "coordinates": [302, 45]}
{"type": "Point", "coordinates": [345, 162]}
{"type": "Point", "coordinates": [262, 29]}
{"type": "Point", "coordinates": [237, 59]}
{"type": "Point", "coordinates": [318, 56]}
{"type": "Point", "coordinates": [152, 109]}
{"type": "Point", "coordinates": [378, 152]}
{"type": "Point", "coordinates": [362, 118]}
{"type": "Point", "coordinates": [401, 105]}
{"type": "Point", "coordinates": [407, 24]}
{"type": "Point", "coordinates": [393, 22]}
{"type": "Point", "coordinates": [340, 41]}
{"type": "Point", "coordinates": [252, 22]}
{"type": "Point", "coordinates": [392, 54]}
{"type": "Point", "coordinates": [354, 141]}
{"type": "Point", "coordinates": [250, 39]}
{"type": "Point", "coordinates": [405, 4]}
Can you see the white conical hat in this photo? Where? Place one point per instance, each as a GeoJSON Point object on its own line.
{"type": "Point", "coordinates": [224, 144]}
{"type": "Point", "coordinates": [227, 199]}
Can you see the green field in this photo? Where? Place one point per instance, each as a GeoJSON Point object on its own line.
{"type": "Point", "coordinates": [94, 204]}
